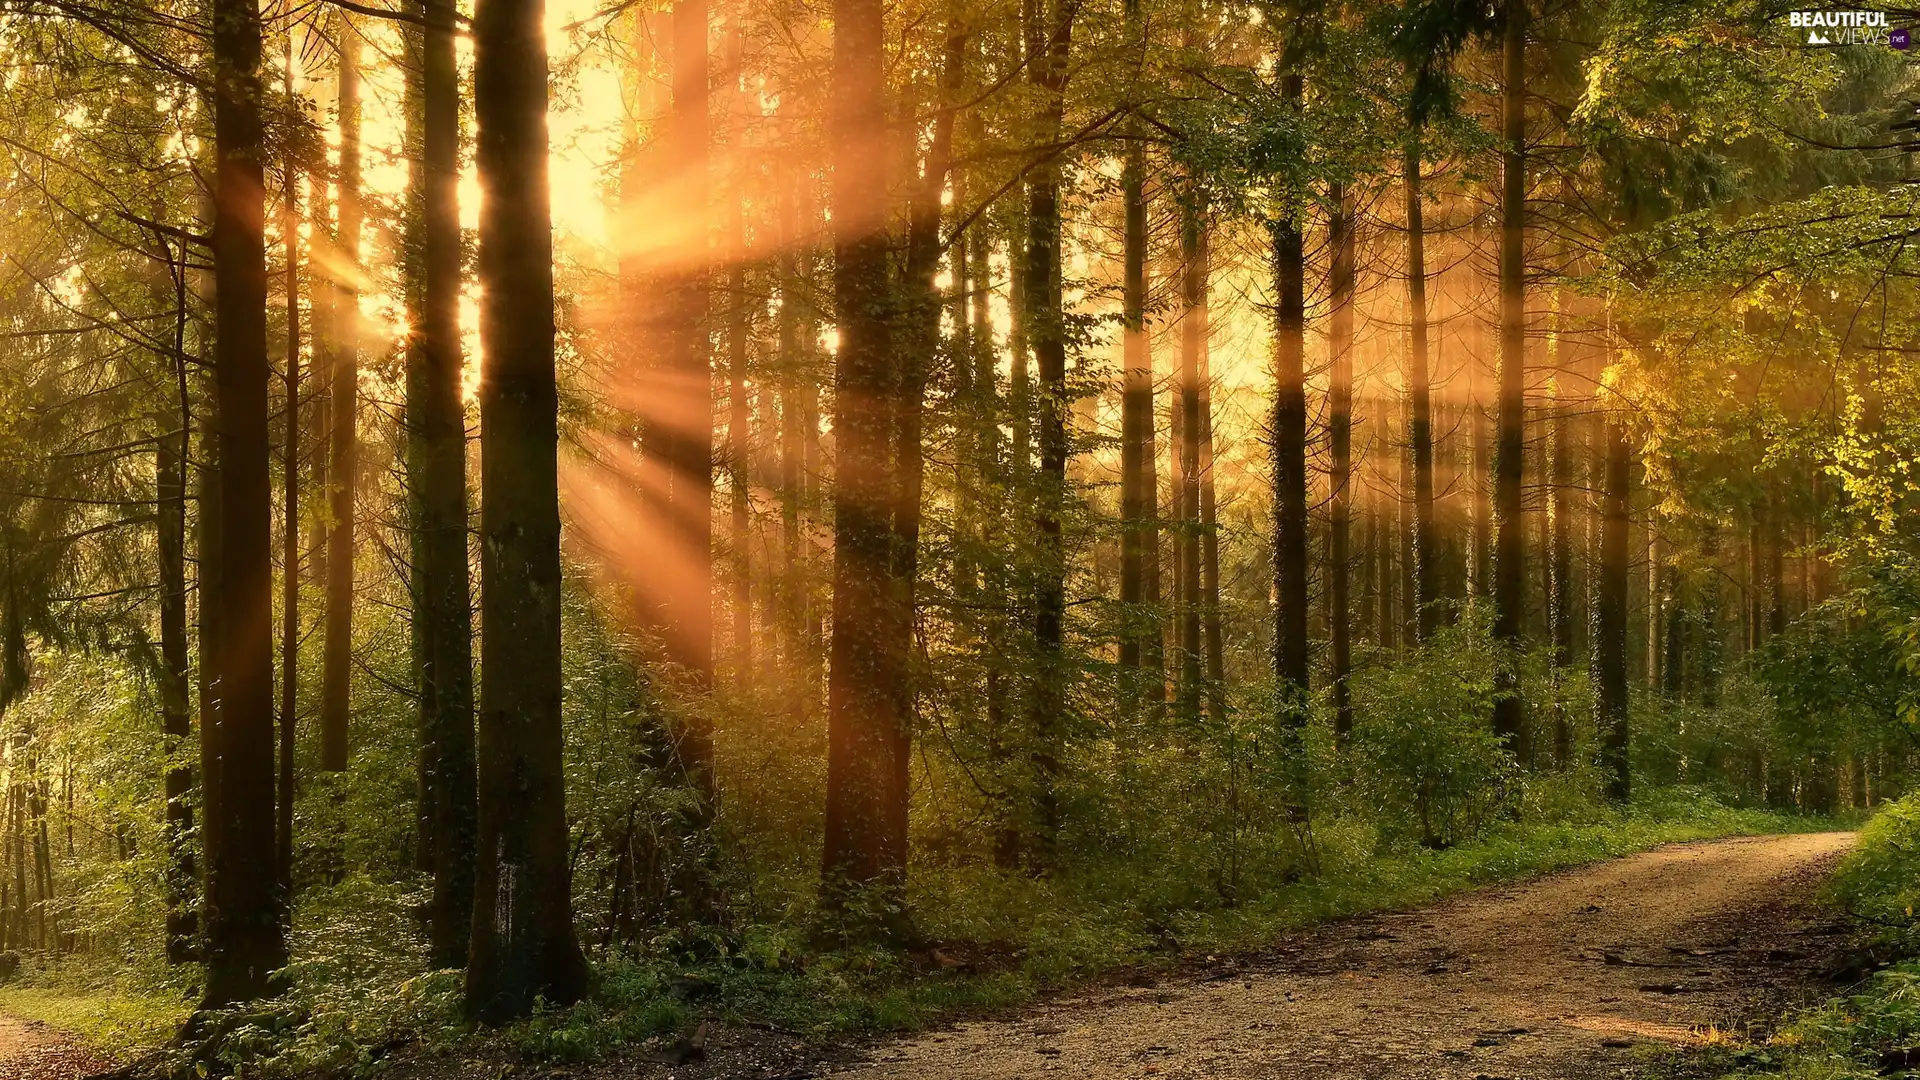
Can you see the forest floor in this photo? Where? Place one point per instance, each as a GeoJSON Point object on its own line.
{"type": "Point", "coordinates": [1582, 974]}
{"type": "Point", "coordinates": [1578, 975]}
{"type": "Point", "coordinates": [31, 1050]}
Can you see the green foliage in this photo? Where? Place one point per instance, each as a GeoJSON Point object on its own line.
{"type": "Point", "coordinates": [1429, 763]}
{"type": "Point", "coordinates": [1859, 1034]}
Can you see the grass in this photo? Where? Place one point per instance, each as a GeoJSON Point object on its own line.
{"type": "Point", "coordinates": [115, 1022]}
{"type": "Point", "coordinates": [1060, 939]}
{"type": "Point", "coordinates": [1025, 938]}
{"type": "Point", "coordinates": [1872, 1030]}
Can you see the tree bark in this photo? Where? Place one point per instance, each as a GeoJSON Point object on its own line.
{"type": "Point", "coordinates": [1610, 639]}
{"type": "Point", "coordinates": [1340, 446]}
{"type": "Point", "coordinates": [336, 684]}
{"type": "Point", "coordinates": [1290, 456]}
{"type": "Point", "coordinates": [523, 945]}
{"type": "Point", "coordinates": [1561, 596]}
{"type": "Point", "coordinates": [739, 415]}
{"type": "Point", "coordinates": [439, 479]}
{"type": "Point", "coordinates": [1193, 342]}
{"type": "Point", "coordinates": [244, 910]}
{"type": "Point", "coordinates": [1049, 30]}
{"type": "Point", "coordinates": [1213, 632]}
{"type": "Point", "coordinates": [865, 849]}
{"type": "Point", "coordinates": [289, 520]}
{"type": "Point", "coordinates": [1136, 401]}
{"type": "Point", "coordinates": [1420, 571]}
{"type": "Point", "coordinates": [170, 505]}
{"type": "Point", "coordinates": [687, 437]}
{"type": "Point", "coordinates": [1510, 551]}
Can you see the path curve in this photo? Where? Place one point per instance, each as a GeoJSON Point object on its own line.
{"type": "Point", "coordinates": [1559, 978]}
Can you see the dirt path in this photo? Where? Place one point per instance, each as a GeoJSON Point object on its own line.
{"type": "Point", "coordinates": [1555, 979]}
{"type": "Point", "coordinates": [30, 1050]}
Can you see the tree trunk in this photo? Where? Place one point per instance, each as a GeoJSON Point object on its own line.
{"type": "Point", "coordinates": [289, 520]}
{"type": "Point", "coordinates": [795, 384]}
{"type": "Point", "coordinates": [1048, 28]}
{"type": "Point", "coordinates": [414, 289]}
{"type": "Point", "coordinates": [523, 945]}
{"type": "Point", "coordinates": [337, 655]}
{"type": "Point", "coordinates": [245, 937]}
{"type": "Point", "coordinates": [1610, 640]}
{"type": "Point", "coordinates": [1193, 342]}
{"type": "Point", "coordinates": [687, 439]}
{"type": "Point", "coordinates": [865, 846]}
{"type": "Point", "coordinates": [1341, 240]}
{"type": "Point", "coordinates": [1214, 633]}
{"type": "Point", "coordinates": [439, 481]}
{"type": "Point", "coordinates": [1290, 650]}
{"type": "Point", "coordinates": [1137, 498]}
{"type": "Point", "coordinates": [1425, 615]}
{"type": "Point", "coordinates": [909, 404]}
{"type": "Point", "coordinates": [739, 417]}
{"type": "Point", "coordinates": [1510, 551]}
{"type": "Point", "coordinates": [170, 499]}
{"type": "Point", "coordinates": [1561, 616]}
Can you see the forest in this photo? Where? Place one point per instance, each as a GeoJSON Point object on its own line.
{"type": "Point", "coordinates": [555, 515]}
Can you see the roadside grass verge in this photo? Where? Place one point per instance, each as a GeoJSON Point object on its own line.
{"type": "Point", "coordinates": [1873, 1029]}
{"type": "Point", "coordinates": [996, 941]}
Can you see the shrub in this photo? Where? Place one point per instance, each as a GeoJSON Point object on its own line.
{"type": "Point", "coordinates": [1432, 765]}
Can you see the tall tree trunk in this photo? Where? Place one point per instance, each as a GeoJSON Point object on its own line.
{"type": "Point", "coordinates": [1341, 240]}
{"type": "Point", "coordinates": [739, 416]}
{"type": "Point", "coordinates": [1290, 650]}
{"type": "Point", "coordinates": [1214, 635]}
{"type": "Point", "coordinates": [344, 445]}
{"type": "Point", "coordinates": [908, 400]}
{"type": "Point", "coordinates": [1561, 594]}
{"type": "Point", "coordinates": [1049, 28]}
{"type": "Point", "coordinates": [687, 440]}
{"type": "Point", "coordinates": [866, 813]}
{"type": "Point", "coordinates": [1510, 552]}
{"type": "Point", "coordinates": [1775, 568]}
{"type": "Point", "coordinates": [523, 945]}
{"type": "Point", "coordinates": [1193, 342]}
{"type": "Point", "coordinates": [1610, 640]}
{"type": "Point", "coordinates": [290, 517]}
{"type": "Point", "coordinates": [1136, 400]}
{"type": "Point", "coordinates": [245, 938]}
{"type": "Point", "coordinates": [414, 289]}
{"type": "Point", "coordinates": [438, 476]}
{"type": "Point", "coordinates": [170, 505]}
{"type": "Point", "coordinates": [1426, 615]}
{"type": "Point", "coordinates": [794, 386]}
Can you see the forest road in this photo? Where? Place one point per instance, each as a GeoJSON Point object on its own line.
{"type": "Point", "coordinates": [1564, 977]}
{"type": "Point", "coordinates": [30, 1050]}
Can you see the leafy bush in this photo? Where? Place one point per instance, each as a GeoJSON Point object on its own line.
{"type": "Point", "coordinates": [1879, 881]}
{"type": "Point", "coordinates": [1430, 760]}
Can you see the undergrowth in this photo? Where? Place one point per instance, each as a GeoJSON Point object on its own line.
{"type": "Point", "coordinates": [358, 990]}
{"type": "Point", "coordinates": [1872, 1030]}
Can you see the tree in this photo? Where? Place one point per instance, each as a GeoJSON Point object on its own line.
{"type": "Point", "coordinates": [1340, 479]}
{"type": "Point", "coordinates": [866, 812]}
{"type": "Point", "coordinates": [244, 908]}
{"type": "Point", "coordinates": [1290, 654]}
{"type": "Point", "coordinates": [1048, 28]}
{"type": "Point", "coordinates": [343, 444]}
{"type": "Point", "coordinates": [1137, 497]}
{"type": "Point", "coordinates": [1510, 552]}
{"type": "Point", "coordinates": [1610, 612]}
{"type": "Point", "coordinates": [437, 477]}
{"type": "Point", "coordinates": [523, 945]}
{"type": "Point", "coordinates": [1421, 597]}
